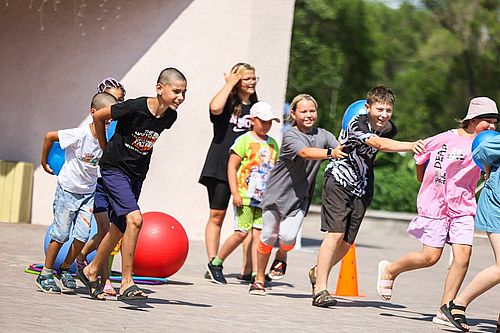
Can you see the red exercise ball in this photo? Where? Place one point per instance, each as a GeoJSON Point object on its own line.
{"type": "Point", "coordinates": [162, 246]}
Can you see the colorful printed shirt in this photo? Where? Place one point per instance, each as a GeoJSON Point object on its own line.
{"type": "Point", "coordinates": [450, 178]}
{"type": "Point", "coordinates": [257, 160]}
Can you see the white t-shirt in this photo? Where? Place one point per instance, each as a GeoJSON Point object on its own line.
{"type": "Point", "coordinates": [81, 160]}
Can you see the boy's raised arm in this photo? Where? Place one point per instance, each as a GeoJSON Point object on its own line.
{"type": "Point", "coordinates": [50, 138]}
{"type": "Point", "coordinates": [100, 117]}
{"type": "Point", "coordinates": [393, 146]}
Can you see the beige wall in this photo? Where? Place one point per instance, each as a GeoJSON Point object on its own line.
{"type": "Point", "coordinates": [53, 58]}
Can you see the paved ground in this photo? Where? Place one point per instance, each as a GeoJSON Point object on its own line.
{"type": "Point", "coordinates": [191, 303]}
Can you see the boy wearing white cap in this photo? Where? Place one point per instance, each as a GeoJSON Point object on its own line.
{"type": "Point", "coordinates": [252, 156]}
{"type": "Point", "coordinates": [446, 203]}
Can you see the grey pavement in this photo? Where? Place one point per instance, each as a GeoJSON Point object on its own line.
{"type": "Point", "coordinates": [191, 303]}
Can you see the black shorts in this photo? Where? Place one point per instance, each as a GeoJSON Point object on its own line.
{"type": "Point", "coordinates": [342, 211]}
{"type": "Point", "coordinates": [218, 193]}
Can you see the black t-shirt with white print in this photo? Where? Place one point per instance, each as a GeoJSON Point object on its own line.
{"type": "Point", "coordinates": [227, 127]}
{"type": "Point", "coordinates": [356, 171]}
{"type": "Point", "coordinates": [137, 130]}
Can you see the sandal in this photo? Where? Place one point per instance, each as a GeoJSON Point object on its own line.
{"type": "Point", "coordinates": [257, 288]}
{"type": "Point", "coordinates": [323, 299]}
{"type": "Point", "coordinates": [312, 278]}
{"type": "Point", "coordinates": [132, 293]}
{"type": "Point", "coordinates": [94, 287]}
{"type": "Point", "coordinates": [456, 315]}
{"type": "Point", "coordinates": [278, 269]}
{"type": "Point", "coordinates": [384, 287]}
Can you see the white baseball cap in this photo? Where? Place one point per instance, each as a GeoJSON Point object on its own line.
{"type": "Point", "coordinates": [481, 107]}
{"type": "Point", "coordinates": [263, 111]}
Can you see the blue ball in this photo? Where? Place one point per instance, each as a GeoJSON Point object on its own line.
{"type": "Point", "coordinates": [353, 110]}
{"type": "Point", "coordinates": [56, 157]}
{"type": "Point", "coordinates": [63, 252]}
{"type": "Point", "coordinates": [479, 139]}
{"type": "Point", "coordinates": [111, 130]}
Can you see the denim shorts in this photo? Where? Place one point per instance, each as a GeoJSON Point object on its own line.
{"type": "Point", "coordinates": [123, 194]}
{"type": "Point", "coordinates": [71, 210]}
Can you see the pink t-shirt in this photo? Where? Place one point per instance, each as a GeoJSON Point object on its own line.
{"type": "Point", "coordinates": [450, 178]}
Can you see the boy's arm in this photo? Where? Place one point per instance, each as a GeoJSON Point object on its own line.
{"type": "Point", "coordinates": [392, 146]}
{"type": "Point", "coordinates": [312, 153]}
{"type": "Point", "coordinates": [100, 117]}
{"type": "Point", "coordinates": [232, 171]}
{"type": "Point", "coordinates": [50, 138]}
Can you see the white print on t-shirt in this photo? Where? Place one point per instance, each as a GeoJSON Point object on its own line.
{"type": "Point", "coordinates": [456, 154]}
{"type": "Point", "coordinates": [143, 142]}
{"type": "Point", "coordinates": [241, 124]}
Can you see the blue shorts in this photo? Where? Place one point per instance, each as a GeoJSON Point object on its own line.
{"type": "Point", "coordinates": [123, 194]}
{"type": "Point", "coordinates": [101, 202]}
{"type": "Point", "coordinates": [71, 210]}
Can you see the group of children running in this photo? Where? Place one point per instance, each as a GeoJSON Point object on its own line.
{"type": "Point", "coordinates": [272, 188]}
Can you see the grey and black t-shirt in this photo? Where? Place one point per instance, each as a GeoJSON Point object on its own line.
{"type": "Point", "coordinates": [356, 171]}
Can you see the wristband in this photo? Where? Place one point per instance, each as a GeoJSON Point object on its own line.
{"type": "Point", "coordinates": [329, 152]}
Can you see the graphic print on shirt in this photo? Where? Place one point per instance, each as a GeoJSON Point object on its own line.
{"type": "Point", "coordinates": [241, 124]}
{"type": "Point", "coordinates": [89, 159]}
{"type": "Point", "coordinates": [143, 141]}
{"type": "Point", "coordinates": [253, 176]}
{"type": "Point", "coordinates": [456, 154]}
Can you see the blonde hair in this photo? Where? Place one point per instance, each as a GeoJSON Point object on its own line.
{"type": "Point", "coordinates": [296, 100]}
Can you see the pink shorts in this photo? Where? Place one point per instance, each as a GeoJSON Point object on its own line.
{"type": "Point", "coordinates": [437, 232]}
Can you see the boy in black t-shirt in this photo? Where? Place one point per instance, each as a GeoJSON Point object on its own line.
{"type": "Point", "coordinates": [124, 165]}
{"type": "Point", "coordinates": [348, 184]}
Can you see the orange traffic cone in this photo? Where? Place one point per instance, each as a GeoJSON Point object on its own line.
{"type": "Point", "coordinates": [347, 284]}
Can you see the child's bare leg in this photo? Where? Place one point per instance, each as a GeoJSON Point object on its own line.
{"type": "Point", "coordinates": [52, 251]}
{"type": "Point", "coordinates": [248, 258]}
{"type": "Point", "coordinates": [484, 280]}
{"type": "Point", "coordinates": [74, 250]}
{"type": "Point", "coordinates": [231, 244]}
{"type": "Point", "coordinates": [457, 271]}
{"type": "Point", "coordinates": [129, 243]}
{"type": "Point", "coordinates": [212, 231]}
{"type": "Point", "coordinates": [413, 260]}
{"type": "Point", "coordinates": [107, 245]}
{"type": "Point", "coordinates": [326, 254]}
{"type": "Point", "coordinates": [102, 220]}
{"type": "Point", "coordinates": [254, 246]}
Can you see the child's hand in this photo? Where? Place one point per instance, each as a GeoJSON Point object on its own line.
{"type": "Point", "coordinates": [47, 168]}
{"type": "Point", "coordinates": [237, 201]}
{"type": "Point", "coordinates": [418, 147]}
{"type": "Point", "coordinates": [338, 153]}
{"type": "Point", "coordinates": [235, 76]}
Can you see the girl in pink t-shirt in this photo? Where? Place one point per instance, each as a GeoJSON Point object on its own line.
{"type": "Point", "coordinates": [446, 204]}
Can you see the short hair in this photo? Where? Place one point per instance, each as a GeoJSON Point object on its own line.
{"type": "Point", "coordinates": [102, 100]}
{"type": "Point", "coordinates": [380, 94]}
{"type": "Point", "coordinates": [170, 74]}
{"type": "Point", "coordinates": [302, 97]}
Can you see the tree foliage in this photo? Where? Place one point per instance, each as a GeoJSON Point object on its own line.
{"type": "Point", "coordinates": [436, 55]}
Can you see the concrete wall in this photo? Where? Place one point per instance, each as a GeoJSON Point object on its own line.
{"type": "Point", "coordinates": [55, 52]}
